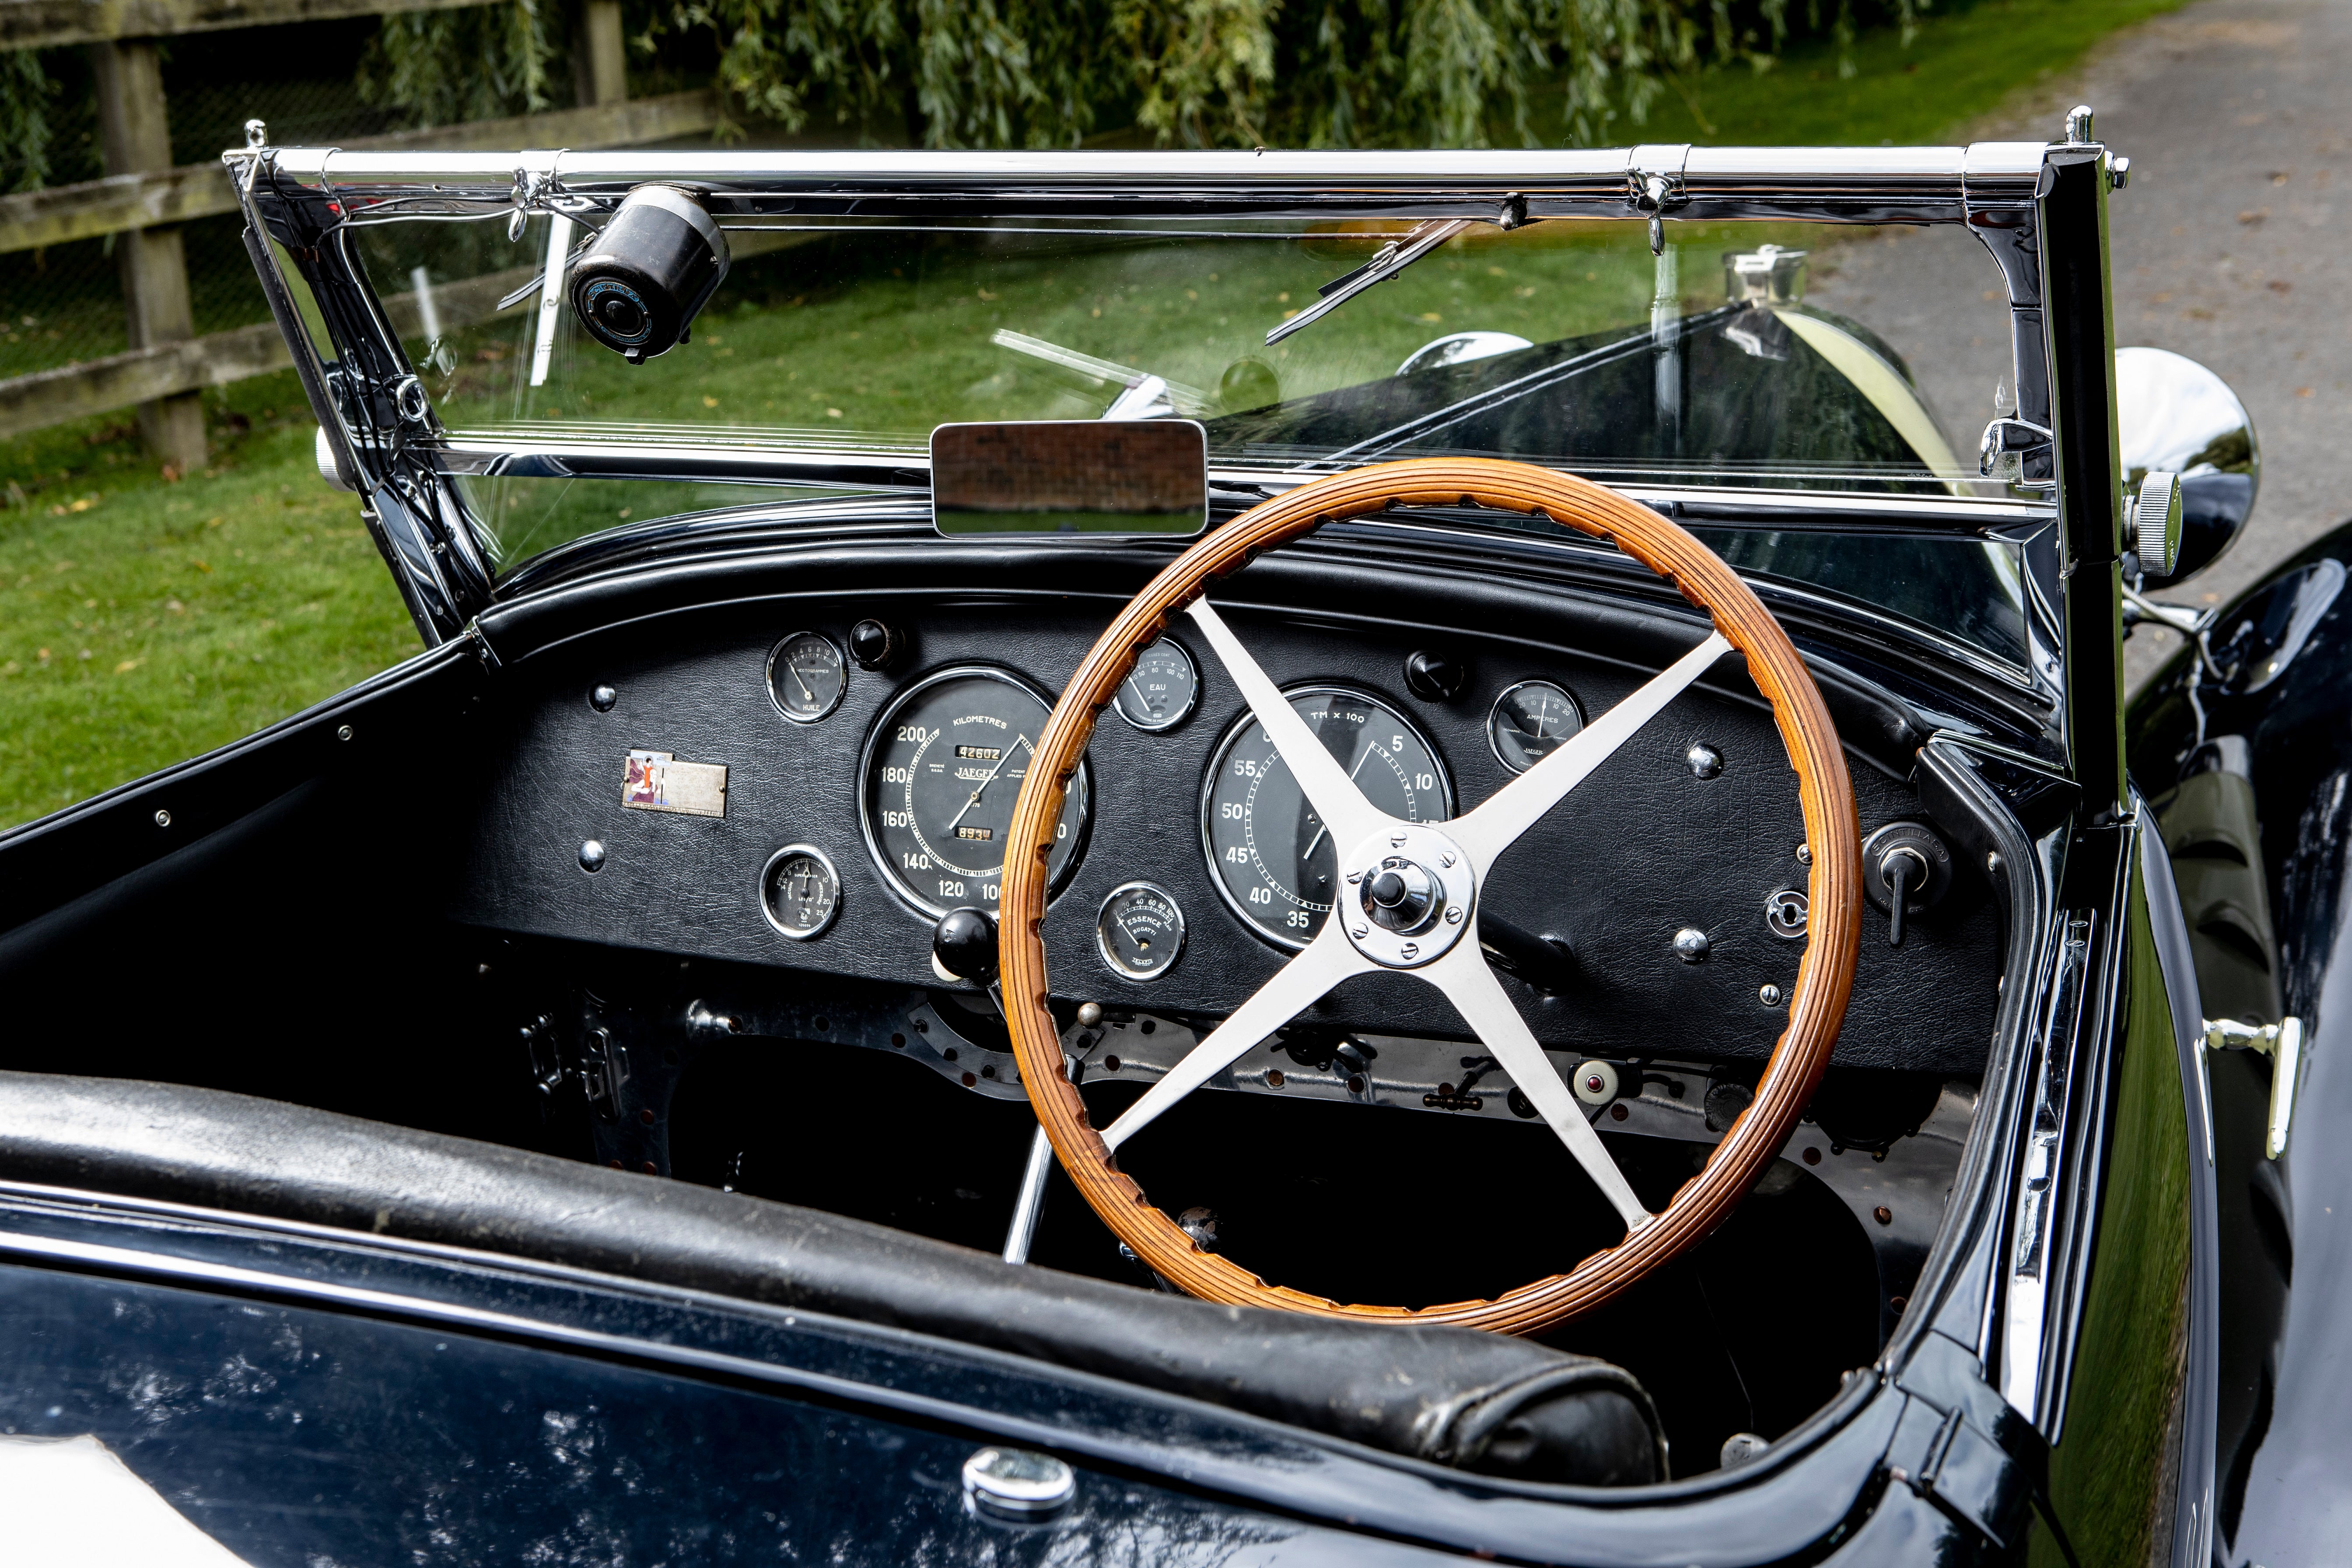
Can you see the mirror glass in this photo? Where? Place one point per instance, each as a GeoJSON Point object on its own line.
{"type": "Point", "coordinates": [2175, 415]}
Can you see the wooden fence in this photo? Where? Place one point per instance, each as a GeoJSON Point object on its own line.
{"type": "Point", "coordinates": [144, 199]}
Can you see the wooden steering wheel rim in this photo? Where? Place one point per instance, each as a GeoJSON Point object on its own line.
{"type": "Point", "coordinates": [1824, 975]}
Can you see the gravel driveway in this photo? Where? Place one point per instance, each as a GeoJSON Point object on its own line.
{"type": "Point", "coordinates": [2230, 247]}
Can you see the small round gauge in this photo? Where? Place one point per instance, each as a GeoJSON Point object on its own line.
{"type": "Point", "coordinates": [799, 892]}
{"type": "Point", "coordinates": [805, 677]}
{"type": "Point", "coordinates": [1529, 722]}
{"type": "Point", "coordinates": [1160, 691]}
{"type": "Point", "coordinates": [942, 769]}
{"type": "Point", "coordinates": [1141, 931]}
{"type": "Point", "coordinates": [1274, 860]}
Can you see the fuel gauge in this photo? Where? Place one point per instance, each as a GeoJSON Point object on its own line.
{"type": "Point", "coordinates": [1141, 931]}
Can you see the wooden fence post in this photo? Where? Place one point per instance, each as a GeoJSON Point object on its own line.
{"type": "Point", "coordinates": [136, 139]}
{"type": "Point", "coordinates": [600, 63]}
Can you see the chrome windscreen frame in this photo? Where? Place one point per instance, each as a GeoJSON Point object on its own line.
{"type": "Point", "coordinates": [310, 199]}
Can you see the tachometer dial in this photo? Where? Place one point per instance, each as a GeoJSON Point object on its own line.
{"type": "Point", "coordinates": [1529, 722]}
{"type": "Point", "coordinates": [941, 771]}
{"type": "Point", "coordinates": [1273, 859]}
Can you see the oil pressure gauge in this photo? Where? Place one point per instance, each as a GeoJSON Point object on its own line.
{"type": "Point", "coordinates": [1141, 931]}
{"type": "Point", "coordinates": [805, 677]}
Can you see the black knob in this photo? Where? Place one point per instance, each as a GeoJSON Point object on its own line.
{"type": "Point", "coordinates": [1388, 890]}
{"type": "Point", "coordinates": [964, 941]}
{"type": "Point", "coordinates": [1435, 677]}
{"type": "Point", "coordinates": [873, 645]}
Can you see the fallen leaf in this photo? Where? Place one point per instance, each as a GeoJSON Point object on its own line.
{"type": "Point", "coordinates": [126, 665]}
{"type": "Point", "coordinates": [2302, 392]}
{"type": "Point", "coordinates": [711, 402]}
{"type": "Point", "coordinates": [833, 414]}
{"type": "Point", "coordinates": [2279, 286]}
{"type": "Point", "coordinates": [176, 607]}
{"type": "Point", "coordinates": [1431, 316]}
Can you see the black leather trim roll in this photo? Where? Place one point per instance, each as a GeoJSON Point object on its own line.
{"type": "Point", "coordinates": [1454, 1397]}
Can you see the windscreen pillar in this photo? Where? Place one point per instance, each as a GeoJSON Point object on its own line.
{"type": "Point", "coordinates": [2079, 313]}
{"type": "Point", "coordinates": [136, 139]}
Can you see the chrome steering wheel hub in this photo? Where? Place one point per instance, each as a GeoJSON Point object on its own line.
{"type": "Point", "coordinates": [1411, 894]}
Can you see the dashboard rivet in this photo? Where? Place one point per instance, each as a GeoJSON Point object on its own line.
{"type": "Point", "coordinates": [603, 699]}
{"type": "Point", "coordinates": [1768, 994]}
{"type": "Point", "coordinates": [1705, 761]}
{"type": "Point", "coordinates": [1882, 1214]}
{"type": "Point", "coordinates": [1691, 945]}
{"type": "Point", "coordinates": [162, 819]}
{"type": "Point", "coordinates": [591, 856]}
{"type": "Point", "coordinates": [1089, 1015]}
{"type": "Point", "coordinates": [344, 731]}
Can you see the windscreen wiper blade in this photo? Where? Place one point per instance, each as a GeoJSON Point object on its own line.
{"type": "Point", "coordinates": [1393, 259]}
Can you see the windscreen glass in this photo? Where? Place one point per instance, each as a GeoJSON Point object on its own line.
{"type": "Point", "coordinates": [1775, 357]}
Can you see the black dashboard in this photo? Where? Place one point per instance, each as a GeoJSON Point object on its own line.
{"type": "Point", "coordinates": [889, 783]}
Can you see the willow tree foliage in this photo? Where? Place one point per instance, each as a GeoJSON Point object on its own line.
{"type": "Point", "coordinates": [1043, 73]}
{"type": "Point", "coordinates": [1049, 73]}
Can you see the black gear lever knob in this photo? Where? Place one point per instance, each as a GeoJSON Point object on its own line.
{"type": "Point", "coordinates": [964, 942]}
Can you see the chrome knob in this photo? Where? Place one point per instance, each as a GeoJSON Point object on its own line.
{"type": "Point", "coordinates": [2156, 522]}
{"type": "Point", "coordinates": [1401, 896]}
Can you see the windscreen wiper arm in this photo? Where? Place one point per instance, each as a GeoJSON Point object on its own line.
{"type": "Point", "coordinates": [1393, 259]}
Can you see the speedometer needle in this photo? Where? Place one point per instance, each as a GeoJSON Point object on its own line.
{"type": "Point", "coordinates": [1019, 741]}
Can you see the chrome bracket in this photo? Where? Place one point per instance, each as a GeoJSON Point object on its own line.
{"type": "Point", "coordinates": [2282, 1043]}
{"type": "Point", "coordinates": [1653, 185]}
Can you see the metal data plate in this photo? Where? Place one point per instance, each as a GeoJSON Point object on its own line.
{"type": "Point", "coordinates": [656, 781]}
{"type": "Point", "coordinates": [1099, 477]}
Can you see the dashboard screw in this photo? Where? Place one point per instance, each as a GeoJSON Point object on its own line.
{"type": "Point", "coordinates": [343, 731]}
{"type": "Point", "coordinates": [1705, 762]}
{"type": "Point", "coordinates": [1882, 1214]}
{"type": "Point", "coordinates": [1691, 945]}
{"type": "Point", "coordinates": [603, 699]}
{"type": "Point", "coordinates": [592, 856]}
{"type": "Point", "coordinates": [1770, 995]}
{"type": "Point", "coordinates": [162, 819]}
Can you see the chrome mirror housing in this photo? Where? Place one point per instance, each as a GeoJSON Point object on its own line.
{"type": "Point", "coordinates": [2175, 417]}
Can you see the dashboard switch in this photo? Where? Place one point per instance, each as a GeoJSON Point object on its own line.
{"type": "Point", "coordinates": [1907, 870]}
{"type": "Point", "coordinates": [1435, 677]}
{"type": "Point", "coordinates": [875, 645]}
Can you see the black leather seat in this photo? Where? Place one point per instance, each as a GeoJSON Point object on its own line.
{"type": "Point", "coordinates": [1476, 1401]}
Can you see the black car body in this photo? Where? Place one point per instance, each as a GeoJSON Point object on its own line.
{"type": "Point", "coordinates": [467, 1145]}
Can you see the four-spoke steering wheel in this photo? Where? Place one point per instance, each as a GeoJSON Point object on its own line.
{"type": "Point", "coordinates": [1408, 898]}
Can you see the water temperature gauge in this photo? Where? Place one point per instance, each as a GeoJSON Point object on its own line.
{"type": "Point", "coordinates": [1159, 693]}
{"type": "Point", "coordinates": [1141, 931]}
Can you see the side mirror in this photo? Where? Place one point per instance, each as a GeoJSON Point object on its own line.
{"type": "Point", "coordinates": [2176, 416]}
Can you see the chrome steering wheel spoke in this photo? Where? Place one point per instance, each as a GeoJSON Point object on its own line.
{"type": "Point", "coordinates": [1296, 986]}
{"type": "Point", "coordinates": [1466, 981]}
{"type": "Point", "coordinates": [1510, 811]}
{"type": "Point", "coordinates": [1348, 816]}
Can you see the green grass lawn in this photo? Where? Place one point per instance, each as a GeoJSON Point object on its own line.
{"type": "Point", "coordinates": [142, 621]}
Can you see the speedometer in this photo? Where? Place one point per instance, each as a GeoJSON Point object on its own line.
{"type": "Point", "coordinates": [1273, 859]}
{"type": "Point", "coordinates": [941, 772]}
